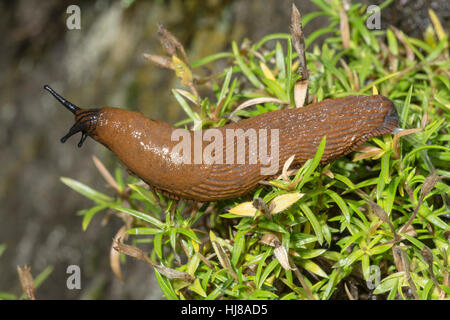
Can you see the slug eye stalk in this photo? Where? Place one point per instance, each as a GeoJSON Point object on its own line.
{"type": "Point", "coordinates": [85, 120]}
{"type": "Point", "coordinates": [70, 106]}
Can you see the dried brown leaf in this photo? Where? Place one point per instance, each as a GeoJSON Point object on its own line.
{"type": "Point", "coordinates": [378, 211]}
{"type": "Point", "coordinates": [255, 101]}
{"type": "Point", "coordinates": [424, 121]}
{"type": "Point", "coordinates": [349, 295]}
{"type": "Point", "coordinates": [26, 281]}
{"type": "Point", "coordinates": [300, 92]}
{"type": "Point", "coordinates": [328, 173]}
{"type": "Point", "coordinates": [401, 37]}
{"type": "Point", "coordinates": [170, 43]}
{"type": "Point", "coordinates": [282, 256]}
{"type": "Point", "coordinates": [410, 231]}
{"type": "Point", "coordinates": [160, 61]}
{"type": "Point", "coordinates": [270, 239]}
{"type": "Point", "coordinates": [298, 41]}
{"type": "Point", "coordinates": [287, 164]}
{"type": "Point", "coordinates": [223, 257]}
{"type": "Point", "coordinates": [114, 255]}
{"type": "Point", "coordinates": [260, 204]}
{"type": "Point", "coordinates": [105, 174]}
{"type": "Point", "coordinates": [429, 184]}
{"type": "Point", "coordinates": [365, 149]}
{"type": "Point", "coordinates": [381, 214]}
{"type": "Point", "coordinates": [375, 154]}
{"type": "Point", "coordinates": [128, 250]}
{"type": "Point", "coordinates": [427, 255]}
{"type": "Point", "coordinates": [397, 259]}
{"type": "Point", "coordinates": [397, 136]}
{"type": "Point", "coordinates": [174, 274]}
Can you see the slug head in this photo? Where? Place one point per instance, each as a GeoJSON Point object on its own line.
{"type": "Point", "coordinates": [85, 120]}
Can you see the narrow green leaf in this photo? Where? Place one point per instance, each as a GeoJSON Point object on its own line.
{"type": "Point", "coordinates": [90, 214]}
{"type": "Point", "coordinates": [244, 68]}
{"type": "Point", "coordinates": [279, 59]}
{"type": "Point", "coordinates": [211, 58]}
{"type": "Point", "coordinates": [166, 286]}
{"type": "Point", "coordinates": [341, 204]}
{"type": "Point", "coordinates": [2, 249]}
{"type": "Point", "coordinates": [86, 191]}
{"type": "Point", "coordinates": [385, 168]}
{"type": "Point", "coordinates": [157, 245]}
{"type": "Point", "coordinates": [315, 162]}
{"type": "Point", "coordinates": [188, 233]}
{"type": "Point", "coordinates": [7, 296]}
{"type": "Point", "coordinates": [197, 288]}
{"type": "Point", "coordinates": [331, 285]}
{"type": "Point", "coordinates": [238, 247]}
{"type": "Point", "coordinates": [141, 215]}
{"type": "Point", "coordinates": [185, 106]}
{"type": "Point", "coordinates": [270, 267]}
{"type": "Point", "coordinates": [225, 85]}
{"type": "Point", "coordinates": [313, 220]}
{"type": "Point", "coordinates": [405, 109]}
{"type": "Point", "coordinates": [143, 231]}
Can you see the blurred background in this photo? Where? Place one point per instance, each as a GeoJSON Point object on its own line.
{"type": "Point", "coordinates": [102, 65]}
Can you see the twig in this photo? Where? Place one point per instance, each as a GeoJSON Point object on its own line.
{"type": "Point", "coordinates": [349, 295]}
{"type": "Point", "coordinates": [302, 280]}
{"type": "Point", "coordinates": [427, 186]}
{"type": "Point", "coordinates": [206, 261]}
{"type": "Point", "coordinates": [405, 263]}
{"type": "Point", "coordinates": [298, 41]}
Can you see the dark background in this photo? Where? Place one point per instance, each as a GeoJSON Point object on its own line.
{"type": "Point", "coordinates": [102, 65]}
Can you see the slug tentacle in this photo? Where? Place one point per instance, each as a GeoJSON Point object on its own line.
{"type": "Point", "coordinates": [71, 107]}
{"type": "Point", "coordinates": [85, 120]}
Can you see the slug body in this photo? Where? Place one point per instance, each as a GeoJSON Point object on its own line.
{"type": "Point", "coordinates": [147, 147]}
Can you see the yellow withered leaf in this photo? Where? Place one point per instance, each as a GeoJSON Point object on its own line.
{"type": "Point", "coordinates": [212, 236]}
{"type": "Point", "coordinates": [195, 245]}
{"type": "Point", "coordinates": [267, 73]}
{"type": "Point", "coordinates": [284, 201]}
{"type": "Point", "coordinates": [182, 71]}
{"type": "Point", "coordinates": [269, 280]}
{"type": "Point", "coordinates": [437, 25]}
{"type": "Point", "coordinates": [245, 209]}
{"type": "Point", "coordinates": [374, 90]}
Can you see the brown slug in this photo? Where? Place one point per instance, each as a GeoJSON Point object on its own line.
{"type": "Point", "coordinates": [148, 149]}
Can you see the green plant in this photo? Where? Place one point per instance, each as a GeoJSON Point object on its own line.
{"type": "Point", "coordinates": [387, 210]}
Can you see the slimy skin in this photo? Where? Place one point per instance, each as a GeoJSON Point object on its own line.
{"type": "Point", "coordinates": [146, 146]}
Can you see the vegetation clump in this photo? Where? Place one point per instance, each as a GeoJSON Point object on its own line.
{"type": "Point", "coordinates": [373, 224]}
